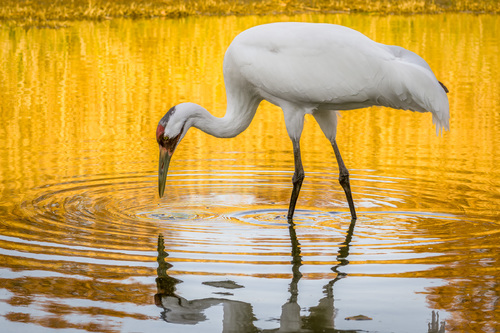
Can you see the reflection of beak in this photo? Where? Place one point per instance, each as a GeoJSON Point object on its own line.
{"type": "Point", "coordinates": [163, 169]}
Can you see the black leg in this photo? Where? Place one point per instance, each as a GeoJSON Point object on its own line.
{"type": "Point", "coordinates": [298, 177]}
{"type": "Point", "coordinates": [296, 263]}
{"type": "Point", "coordinates": [344, 179]}
{"type": "Point", "coordinates": [343, 254]}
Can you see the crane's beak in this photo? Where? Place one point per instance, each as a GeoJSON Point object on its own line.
{"type": "Point", "coordinates": [165, 157]}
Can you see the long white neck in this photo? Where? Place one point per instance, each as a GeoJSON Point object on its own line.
{"type": "Point", "coordinates": [238, 117]}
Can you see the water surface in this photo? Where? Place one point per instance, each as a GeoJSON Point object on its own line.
{"type": "Point", "coordinates": [87, 245]}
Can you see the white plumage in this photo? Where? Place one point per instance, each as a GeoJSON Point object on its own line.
{"type": "Point", "coordinates": [308, 68]}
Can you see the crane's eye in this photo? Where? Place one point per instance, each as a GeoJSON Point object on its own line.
{"type": "Point", "coordinates": [167, 142]}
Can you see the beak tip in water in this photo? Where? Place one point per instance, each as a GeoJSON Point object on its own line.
{"type": "Point", "coordinates": [163, 170]}
{"type": "Point", "coordinates": [160, 192]}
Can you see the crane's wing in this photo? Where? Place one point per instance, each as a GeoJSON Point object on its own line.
{"type": "Point", "coordinates": [331, 67]}
{"type": "Point", "coordinates": [303, 62]}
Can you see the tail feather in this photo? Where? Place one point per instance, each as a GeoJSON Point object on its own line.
{"type": "Point", "coordinates": [440, 124]}
{"type": "Point", "coordinates": [440, 109]}
{"type": "Point", "coordinates": [420, 90]}
{"type": "Point", "coordinates": [428, 94]}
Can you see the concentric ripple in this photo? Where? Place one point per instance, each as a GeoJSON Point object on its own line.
{"type": "Point", "coordinates": [229, 219]}
{"type": "Point", "coordinates": [102, 210]}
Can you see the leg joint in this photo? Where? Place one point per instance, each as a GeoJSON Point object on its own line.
{"type": "Point", "coordinates": [344, 177]}
{"type": "Point", "coordinates": [298, 176]}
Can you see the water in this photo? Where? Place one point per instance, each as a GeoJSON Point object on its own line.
{"type": "Point", "coordinates": [87, 245]}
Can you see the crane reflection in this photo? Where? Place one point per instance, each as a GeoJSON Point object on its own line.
{"type": "Point", "coordinates": [238, 316]}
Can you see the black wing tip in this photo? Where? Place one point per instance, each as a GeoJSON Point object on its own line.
{"type": "Point", "coordinates": [444, 87]}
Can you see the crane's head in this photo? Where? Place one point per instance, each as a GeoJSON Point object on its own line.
{"type": "Point", "coordinates": [171, 129]}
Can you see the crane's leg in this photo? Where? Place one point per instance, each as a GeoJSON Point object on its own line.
{"type": "Point", "coordinates": [294, 121]}
{"type": "Point", "coordinates": [298, 177]}
{"type": "Point", "coordinates": [344, 179]}
{"type": "Point", "coordinates": [327, 121]}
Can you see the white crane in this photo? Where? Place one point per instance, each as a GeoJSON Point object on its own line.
{"type": "Point", "coordinates": [308, 68]}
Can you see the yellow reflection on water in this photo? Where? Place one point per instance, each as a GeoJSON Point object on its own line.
{"type": "Point", "coordinates": [99, 89]}
{"type": "Point", "coordinates": [79, 108]}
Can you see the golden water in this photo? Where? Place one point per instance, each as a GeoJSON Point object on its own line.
{"type": "Point", "coordinates": [85, 242]}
